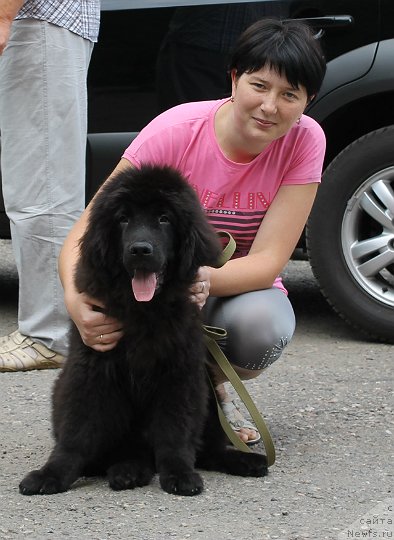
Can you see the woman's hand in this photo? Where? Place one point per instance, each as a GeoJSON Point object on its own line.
{"type": "Point", "coordinates": [200, 287]}
{"type": "Point", "coordinates": [98, 330]}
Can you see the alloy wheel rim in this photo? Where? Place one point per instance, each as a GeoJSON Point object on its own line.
{"type": "Point", "coordinates": [367, 236]}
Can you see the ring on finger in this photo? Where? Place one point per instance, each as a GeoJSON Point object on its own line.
{"type": "Point", "coordinates": [101, 337]}
{"type": "Point", "coordinates": [202, 287]}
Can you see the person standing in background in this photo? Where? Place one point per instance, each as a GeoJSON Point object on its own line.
{"type": "Point", "coordinates": [192, 63]}
{"type": "Point", "coordinates": [45, 50]}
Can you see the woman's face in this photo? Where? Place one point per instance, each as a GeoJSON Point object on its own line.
{"type": "Point", "coordinates": [265, 106]}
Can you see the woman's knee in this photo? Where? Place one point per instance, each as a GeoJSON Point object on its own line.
{"type": "Point", "coordinates": [259, 326]}
{"type": "Point", "coordinates": [256, 346]}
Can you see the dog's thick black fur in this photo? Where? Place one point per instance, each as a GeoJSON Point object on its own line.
{"type": "Point", "coordinates": [145, 406]}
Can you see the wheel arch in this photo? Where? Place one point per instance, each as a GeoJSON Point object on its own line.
{"type": "Point", "coordinates": [366, 100]}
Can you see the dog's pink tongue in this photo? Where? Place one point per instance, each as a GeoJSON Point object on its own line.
{"type": "Point", "coordinates": [144, 285]}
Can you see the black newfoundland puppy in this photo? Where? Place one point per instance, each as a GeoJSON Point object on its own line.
{"type": "Point", "coordinates": [147, 405]}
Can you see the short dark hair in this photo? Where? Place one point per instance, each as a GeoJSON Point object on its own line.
{"type": "Point", "coordinates": [287, 46]}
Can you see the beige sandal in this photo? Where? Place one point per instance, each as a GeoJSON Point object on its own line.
{"type": "Point", "coordinates": [237, 421]}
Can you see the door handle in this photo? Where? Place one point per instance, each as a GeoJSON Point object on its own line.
{"type": "Point", "coordinates": [330, 21]}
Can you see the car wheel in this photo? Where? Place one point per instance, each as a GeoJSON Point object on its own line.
{"type": "Point", "coordinates": [350, 234]}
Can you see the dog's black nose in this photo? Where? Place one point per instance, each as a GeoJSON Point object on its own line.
{"type": "Point", "coordinates": [141, 248]}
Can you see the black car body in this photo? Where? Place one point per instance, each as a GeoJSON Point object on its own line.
{"type": "Point", "coordinates": [350, 235]}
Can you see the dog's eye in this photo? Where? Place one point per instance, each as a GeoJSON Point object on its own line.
{"type": "Point", "coordinates": [164, 219]}
{"type": "Point", "coordinates": [123, 220]}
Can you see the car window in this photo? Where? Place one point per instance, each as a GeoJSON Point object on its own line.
{"type": "Point", "coordinates": [122, 75]}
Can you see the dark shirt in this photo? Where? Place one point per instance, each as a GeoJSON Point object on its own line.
{"type": "Point", "coordinates": [217, 27]}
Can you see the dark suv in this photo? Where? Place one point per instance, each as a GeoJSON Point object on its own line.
{"type": "Point", "coordinates": [349, 238]}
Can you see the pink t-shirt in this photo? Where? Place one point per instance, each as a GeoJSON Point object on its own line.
{"type": "Point", "coordinates": [235, 196]}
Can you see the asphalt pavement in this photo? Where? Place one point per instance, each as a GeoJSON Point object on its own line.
{"type": "Point", "coordinates": [328, 403]}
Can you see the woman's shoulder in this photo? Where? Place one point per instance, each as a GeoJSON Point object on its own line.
{"type": "Point", "coordinates": [309, 124]}
{"type": "Point", "coordinates": [303, 134]}
{"type": "Point", "coordinates": [187, 112]}
{"type": "Point", "coordinates": [182, 121]}
{"type": "Point", "coordinates": [166, 138]}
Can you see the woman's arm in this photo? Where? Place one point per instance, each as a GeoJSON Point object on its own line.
{"type": "Point", "coordinates": [275, 241]}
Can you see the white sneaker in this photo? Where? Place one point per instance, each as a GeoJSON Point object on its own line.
{"type": "Point", "coordinates": [12, 341]}
{"type": "Point", "coordinates": [21, 353]}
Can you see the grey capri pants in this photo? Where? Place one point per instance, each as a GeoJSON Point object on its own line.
{"type": "Point", "coordinates": [259, 325]}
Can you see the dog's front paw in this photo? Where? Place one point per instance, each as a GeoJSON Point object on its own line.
{"type": "Point", "coordinates": [41, 483]}
{"type": "Point", "coordinates": [186, 483]}
{"type": "Point", "coordinates": [129, 475]}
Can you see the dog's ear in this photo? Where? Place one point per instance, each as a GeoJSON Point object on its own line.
{"type": "Point", "coordinates": [200, 246]}
{"type": "Point", "coordinates": [99, 245]}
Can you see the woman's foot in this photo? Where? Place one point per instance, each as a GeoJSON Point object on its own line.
{"type": "Point", "coordinates": [245, 430]}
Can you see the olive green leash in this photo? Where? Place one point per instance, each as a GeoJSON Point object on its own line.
{"type": "Point", "coordinates": [211, 337]}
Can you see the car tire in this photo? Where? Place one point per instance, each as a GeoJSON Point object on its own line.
{"type": "Point", "coordinates": [350, 234]}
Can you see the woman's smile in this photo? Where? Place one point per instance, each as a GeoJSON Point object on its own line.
{"type": "Point", "coordinates": [264, 124]}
